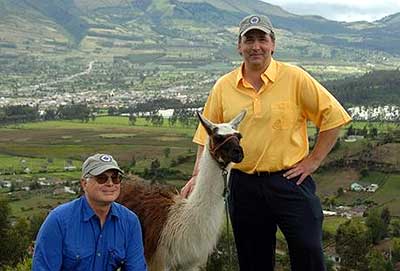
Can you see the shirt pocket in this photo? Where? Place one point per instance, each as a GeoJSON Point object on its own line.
{"type": "Point", "coordinates": [74, 259]}
{"type": "Point", "coordinates": [282, 115]}
{"type": "Point", "coordinates": [116, 259]}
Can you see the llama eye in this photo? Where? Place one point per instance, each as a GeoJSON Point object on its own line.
{"type": "Point", "coordinates": [219, 138]}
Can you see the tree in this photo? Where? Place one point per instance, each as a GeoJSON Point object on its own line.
{"type": "Point", "coordinates": [34, 185]}
{"type": "Point", "coordinates": [376, 261]}
{"type": "Point", "coordinates": [132, 119]}
{"type": "Point", "coordinates": [74, 111]}
{"type": "Point", "coordinates": [374, 132]}
{"type": "Point", "coordinates": [350, 131]}
{"type": "Point", "coordinates": [133, 161]}
{"type": "Point", "coordinates": [49, 114]}
{"type": "Point", "coordinates": [154, 171]}
{"type": "Point", "coordinates": [340, 192]}
{"type": "Point", "coordinates": [14, 240]}
{"type": "Point", "coordinates": [386, 217]}
{"type": "Point", "coordinates": [4, 226]}
{"type": "Point", "coordinates": [26, 265]}
{"type": "Point", "coordinates": [4, 215]}
{"type": "Point", "coordinates": [34, 224]}
{"type": "Point", "coordinates": [18, 242]}
{"type": "Point", "coordinates": [396, 228]}
{"type": "Point", "coordinates": [352, 244]}
{"type": "Point", "coordinates": [376, 226]}
{"type": "Point", "coordinates": [396, 250]}
{"type": "Point", "coordinates": [167, 152]}
{"type": "Point", "coordinates": [330, 264]}
{"type": "Point", "coordinates": [112, 111]}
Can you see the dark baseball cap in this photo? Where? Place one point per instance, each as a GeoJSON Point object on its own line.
{"type": "Point", "coordinates": [259, 22]}
{"type": "Point", "coordinates": [98, 163]}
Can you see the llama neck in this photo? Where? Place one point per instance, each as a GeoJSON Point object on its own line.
{"type": "Point", "coordinates": [209, 182]}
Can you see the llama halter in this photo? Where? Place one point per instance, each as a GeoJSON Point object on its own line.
{"type": "Point", "coordinates": [214, 148]}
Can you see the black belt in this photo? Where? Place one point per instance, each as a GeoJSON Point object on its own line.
{"type": "Point", "coordinates": [261, 173]}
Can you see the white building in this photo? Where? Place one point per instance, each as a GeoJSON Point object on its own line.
{"type": "Point", "coordinates": [357, 187]}
{"type": "Point", "coordinates": [372, 188]}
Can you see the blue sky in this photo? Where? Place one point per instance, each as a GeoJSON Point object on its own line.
{"type": "Point", "coordinates": [341, 10]}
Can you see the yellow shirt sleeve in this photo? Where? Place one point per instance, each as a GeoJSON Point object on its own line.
{"type": "Point", "coordinates": [320, 106]}
{"type": "Point", "coordinates": [212, 111]}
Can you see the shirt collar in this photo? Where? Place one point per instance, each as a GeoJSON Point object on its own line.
{"type": "Point", "coordinates": [88, 213]}
{"type": "Point", "coordinates": [269, 73]}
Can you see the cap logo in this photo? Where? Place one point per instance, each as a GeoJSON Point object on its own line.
{"type": "Point", "coordinates": [254, 20]}
{"type": "Point", "coordinates": [106, 158]}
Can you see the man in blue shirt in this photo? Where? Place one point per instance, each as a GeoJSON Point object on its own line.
{"type": "Point", "coordinates": [92, 232]}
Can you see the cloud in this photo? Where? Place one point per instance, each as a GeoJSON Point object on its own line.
{"type": "Point", "coordinates": [341, 10]}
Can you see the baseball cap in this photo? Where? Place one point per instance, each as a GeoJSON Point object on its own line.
{"type": "Point", "coordinates": [259, 22]}
{"type": "Point", "coordinates": [98, 163]}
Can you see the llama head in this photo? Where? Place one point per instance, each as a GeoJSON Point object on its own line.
{"type": "Point", "coordinates": [224, 139]}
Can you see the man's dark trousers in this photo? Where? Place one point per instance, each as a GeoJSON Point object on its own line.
{"type": "Point", "coordinates": [261, 202]}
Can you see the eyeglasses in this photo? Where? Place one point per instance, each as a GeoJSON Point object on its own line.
{"type": "Point", "coordinates": [103, 178]}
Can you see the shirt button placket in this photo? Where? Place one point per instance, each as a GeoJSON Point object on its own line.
{"type": "Point", "coordinates": [257, 107]}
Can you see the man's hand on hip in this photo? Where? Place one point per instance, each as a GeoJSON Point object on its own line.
{"type": "Point", "coordinates": [303, 169]}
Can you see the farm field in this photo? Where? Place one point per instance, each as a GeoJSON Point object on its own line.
{"type": "Point", "coordinates": [54, 150]}
{"type": "Point", "coordinates": [73, 140]}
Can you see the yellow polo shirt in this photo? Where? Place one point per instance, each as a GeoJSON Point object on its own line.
{"type": "Point", "coordinates": [275, 127]}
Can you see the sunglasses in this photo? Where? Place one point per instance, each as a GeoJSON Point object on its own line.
{"type": "Point", "coordinates": [103, 178]}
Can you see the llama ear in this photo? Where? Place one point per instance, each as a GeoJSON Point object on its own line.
{"type": "Point", "coordinates": [236, 121]}
{"type": "Point", "coordinates": [208, 125]}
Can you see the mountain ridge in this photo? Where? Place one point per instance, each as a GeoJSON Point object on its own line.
{"type": "Point", "coordinates": [90, 26]}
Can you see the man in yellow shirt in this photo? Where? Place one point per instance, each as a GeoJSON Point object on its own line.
{"type": "Point", "coordinates": [272, 186]}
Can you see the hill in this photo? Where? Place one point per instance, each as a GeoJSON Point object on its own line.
{"type": "Point", "coordinates": [120, 27]}
{"type": "Point", "coordinates": [377, 87]}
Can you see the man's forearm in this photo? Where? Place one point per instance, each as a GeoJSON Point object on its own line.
{"type": "Point", "coordinates": [325, 142]}
{"type": "Point", "coordinates": [200, 150]}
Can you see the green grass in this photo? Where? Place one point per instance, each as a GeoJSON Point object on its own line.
{"type": "Point", "coordinates": [102, 122]}
{"type": "Point", "coordinates": [36, 203]}
{"type": "Point", "coordinates": [380, 125]}
{"type": "Point", "coordinates": [332, 223]}
{"type": "Point", "coordinates": [388, 194]}
{"type": "Point", "coordinates": [19, 163]}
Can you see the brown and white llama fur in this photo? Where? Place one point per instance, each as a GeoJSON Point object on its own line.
{"type": "Point", "coordinates": [180, 233]}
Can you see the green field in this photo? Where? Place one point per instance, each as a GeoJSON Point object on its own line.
{"type": "Point", "coordinates": [40, 203]}
{"type": "Point", "coordinates": [53, 145]}
{"type": "Point", "coordinates": [74, 140]}
{"type": "Point", "coordinates": [56, 144]}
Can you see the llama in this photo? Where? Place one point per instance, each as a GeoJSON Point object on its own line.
{"type": "Point", "coordinates": [179, 233]}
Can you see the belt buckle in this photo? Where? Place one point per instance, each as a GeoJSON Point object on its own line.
{"type": "Point", "coordinates": [262, 173]}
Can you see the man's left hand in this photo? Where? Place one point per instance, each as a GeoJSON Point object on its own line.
{"type": "Point", "coordinates": [304, 168]}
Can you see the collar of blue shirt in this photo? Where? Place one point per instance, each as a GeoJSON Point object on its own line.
{"type": "Point", "coordinates": [88, 213]}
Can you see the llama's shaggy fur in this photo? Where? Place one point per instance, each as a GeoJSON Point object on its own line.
{"type": "Point", "coordinates": [180, 233]}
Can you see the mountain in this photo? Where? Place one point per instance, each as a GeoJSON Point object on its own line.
{"type": "Point", "coordinates": [164, 29]}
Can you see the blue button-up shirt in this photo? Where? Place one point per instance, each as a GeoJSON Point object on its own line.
{"type": "Point", "coordinates": [71, 238]}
